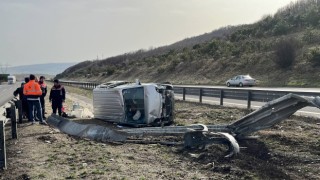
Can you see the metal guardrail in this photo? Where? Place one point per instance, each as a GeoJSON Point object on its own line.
{"type": "Point", "coordinates": [8, 111]}
{"type": "Point", "coordinates": [85, 85]}
{"type": "Point", "coordinates": [248, 95]}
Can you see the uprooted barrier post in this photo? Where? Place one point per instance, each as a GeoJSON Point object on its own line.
{"type": "Point", "coordinates": [19, 107]}
{"type": "Point", "coordinates": [13, 118]}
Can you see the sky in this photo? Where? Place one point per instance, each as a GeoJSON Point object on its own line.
{"type": "Point", "coordinates": [53, 31]}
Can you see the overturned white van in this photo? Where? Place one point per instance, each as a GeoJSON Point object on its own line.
{"type": "Point", "coordinates": [134, 103]}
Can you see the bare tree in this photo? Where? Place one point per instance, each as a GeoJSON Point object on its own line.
{"type": "Point", "coordinates": [4, 68]}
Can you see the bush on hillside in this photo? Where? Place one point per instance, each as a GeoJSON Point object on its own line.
{"type": "Point", "coordinates": [282, 27]}
{"type": "Point", "coordinates": [285, 52]}
{"type": "Point", "coordinates": [197, 46]}
{"type": "Point", "coordinates": [110, 70]}
{"type": "Point", "coordinates": [311, 36]}
{"type": "Point", "coordinates": [314, 56]}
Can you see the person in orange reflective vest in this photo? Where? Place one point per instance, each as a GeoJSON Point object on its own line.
{"type": "Point", "coordinates": [44, 90]}
{"type": "Point", "coordinates": [33, 92]}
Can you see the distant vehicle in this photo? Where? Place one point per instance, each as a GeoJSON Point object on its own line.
{"type": "Point", "coordinates": [11, 79]}
{"type": "Point", "coordinates": [134, 104]}
{"type": "Point", "coordinates": [241, 80]}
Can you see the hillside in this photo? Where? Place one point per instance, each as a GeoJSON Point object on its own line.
{"type": "Point", "coordinates": [50, 68]}
{"type": "Point", "coordinates": [279, 50]}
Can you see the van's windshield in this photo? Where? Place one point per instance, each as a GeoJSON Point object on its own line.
{"type": "Point", "coordinates": [134, 104]}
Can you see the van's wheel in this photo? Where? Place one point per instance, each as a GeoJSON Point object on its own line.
{"type": "Point", "coordinates": [228, 84]}
{"type": "Point", "coordinates": [240, 84]}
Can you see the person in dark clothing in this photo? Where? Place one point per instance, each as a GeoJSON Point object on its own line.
{"type": "Point", "coordinates": [57, 97]}
{"type": "Point", "coordinates": [44, 90]}
{"type": "Point", "coordinates": [19, 91]}
{"type": "Point", "coordinates": [23, 99]}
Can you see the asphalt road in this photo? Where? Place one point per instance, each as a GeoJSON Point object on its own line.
{"type": "Point", "coordinates": [307, 111]}
{"type": "Point", "coordinates": [6, 92]}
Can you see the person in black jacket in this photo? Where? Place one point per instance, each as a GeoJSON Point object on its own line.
{"type": "Point", "coordinates": [19, 91]}
{"type": "Point", "coordinates": [57, 97]}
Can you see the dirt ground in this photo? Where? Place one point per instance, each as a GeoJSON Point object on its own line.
{"type": "Point", "coordinates": [290, 150]}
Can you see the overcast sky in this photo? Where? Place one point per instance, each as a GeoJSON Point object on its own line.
{"type": "Point", "coordinates": [46, 31]}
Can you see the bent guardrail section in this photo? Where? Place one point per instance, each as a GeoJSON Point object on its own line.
{"type": "Point", "coordinates": [89, 131]}
{"type": "Point", "coordinates": [272, 113]}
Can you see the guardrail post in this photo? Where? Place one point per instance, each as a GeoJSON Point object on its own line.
{"type": "Point", "coordinates": [13, 117]}
{"type": "Point", "coordinates": [184, 94]}
{"type": "Point", "coordinates": [19, 106]}
{"type": "Point", "coordinates": [221, 97]}
{"type": "Point", "coordinates": [3, 158]}
{"type": "Point", "coordinates": [249, 99]}
{"type": "Point", "coordinates": [200, 95]}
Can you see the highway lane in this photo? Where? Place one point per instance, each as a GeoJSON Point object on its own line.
{"type": "Point", "coordinates": [6, 92]}
{"type": "Point", "coordinates": [307, 111]}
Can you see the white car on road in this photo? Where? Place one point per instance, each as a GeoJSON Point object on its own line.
{"type": "Point", "coordinates": [241, 80]}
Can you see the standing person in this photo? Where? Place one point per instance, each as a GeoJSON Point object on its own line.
{"type": "Point", "coordinates": [32, 91]}
{"type": "Point", "coordinates": [44, 90]}
{"type": "Point", "coordinates": [23, 99]}
{"type": "Point", "coordinates": [35, 115]}
{"type": "Point", "coordinates": [57, 97]}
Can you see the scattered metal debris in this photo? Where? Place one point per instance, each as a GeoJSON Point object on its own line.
{"type": "Point", "coordinates": [199, 135]}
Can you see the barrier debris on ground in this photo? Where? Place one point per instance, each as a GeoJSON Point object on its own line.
{"type": "Point", "coordinates": [196, 136]}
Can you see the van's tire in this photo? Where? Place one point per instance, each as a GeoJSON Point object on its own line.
{"type": "Point", "coordinates": [240, 85]}
{"type": "Point", "coordinates": [228, 84]}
